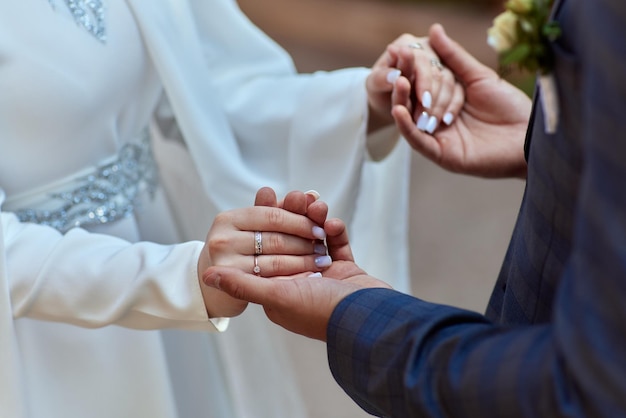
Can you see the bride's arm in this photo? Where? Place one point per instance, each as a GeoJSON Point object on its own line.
{"type": "Point", "coordinates": [93, 280]}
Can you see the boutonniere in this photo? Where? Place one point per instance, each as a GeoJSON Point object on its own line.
{"type": "Point", "coordinates": [522, 33]}
{"type": "Point", "coordinates": [521, 36]}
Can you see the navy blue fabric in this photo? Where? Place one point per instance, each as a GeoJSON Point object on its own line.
{"type": "Point", "coordinates": [553, 340]}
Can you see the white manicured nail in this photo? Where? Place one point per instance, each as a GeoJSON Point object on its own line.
{"type": "Point", "coordinates": [448, 118]}
{"type": "Point", "coordinates": [313, 193]}
{"type": "Point", "coordinates": [315, 275]}
{"type": "Point", "coordinates": [392, 76]}
{"type": "Point", "coordinates": [422, 121]}
{"type": "Point", "coordinates": [431, 125]}
{"type": "Point", "coordinates": [427, 100]}
{"type": "Point", "coordinates": [323, 261]}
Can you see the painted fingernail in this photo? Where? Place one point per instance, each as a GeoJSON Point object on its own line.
{"type": "Point", "coordinates": [448, 118]}
{"type": "Point", "coordinates": [422, 121]}
{"type": "Point", "coordinates": [431, 125]}
{"type": "Point", "coordinates": [318, 232]}
{"type": "Point", "coordinates": [313, 193]}
{"type": "Point", "coordinates": [323, 261]}
{"type": "Point", "coordinates": [319, 249]}
{"type": "Point", "coordinates": [315, 275]}
{"type": "Point", "coordinates": [427, 100]}
{"type": "Point", "coordinates": [392, 76]}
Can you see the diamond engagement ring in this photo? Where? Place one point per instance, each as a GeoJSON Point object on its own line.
{"type": "Point", "coordinates": [258, 243]}
{"type": "Point", "coordinates": [256, 270]}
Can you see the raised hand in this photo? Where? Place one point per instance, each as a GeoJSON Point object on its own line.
{"type": "Point", "coordinates": [486, 139]}
{"type": "Point", "coordinates": [410, 73]}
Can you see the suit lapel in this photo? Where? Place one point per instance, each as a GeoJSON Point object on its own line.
{"type": "Point", "coordinates": [555, 8]}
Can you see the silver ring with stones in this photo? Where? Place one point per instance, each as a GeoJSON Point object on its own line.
{"type": "Point", "coordinates": [436, 63]}
{"type": "Point", "coordinates": [258, 243]}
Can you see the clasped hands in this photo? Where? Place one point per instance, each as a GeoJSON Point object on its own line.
{"type": "Point", "coordinates": [296, 283]}
{"type": "Point", "coordinates": [485, 117]}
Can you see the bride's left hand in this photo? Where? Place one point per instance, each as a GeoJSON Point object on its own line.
{"type": "Point", "coordinates": [273, 241]}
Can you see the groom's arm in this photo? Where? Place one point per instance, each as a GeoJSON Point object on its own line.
{"type": "Point", "coordinates": [403, 357]}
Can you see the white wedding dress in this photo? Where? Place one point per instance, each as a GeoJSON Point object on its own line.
{"type": "Point", "coordinates": [71, 102]}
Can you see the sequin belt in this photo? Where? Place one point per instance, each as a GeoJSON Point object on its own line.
{"type": "Point", "coordinates": [95, 196]}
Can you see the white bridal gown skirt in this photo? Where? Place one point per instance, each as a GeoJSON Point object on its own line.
{"type": "Point", "coordinates": [268, 371]}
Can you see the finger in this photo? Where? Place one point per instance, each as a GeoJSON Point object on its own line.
{"type": "Point", "coordinates": [223, 248]}
{"type": "Point", "coordinates": [337, 240]}
{"type": "Point", "coordinates": [456, 104]}
{"type": "Point", "coordinates": [389, 59]}
{"type": "Point", "coordinates": [429, 80]}
{"type": "Point", "coordinates": [239, 284]}
{"type": "Point", "coordinates": [278, 243]}
{"type": "Point", "coordinates": [420, 141]}
{"type": "Point", "coordinates": [311, 196]}
{"type": "Point", "coordinates": [426, 81]}
{"type": "Point", "coordinates": [382, 80]}
{"type": "Point", "coordinates": [406, 62]}
{"type": "Point", "coordinates": [401, 95]}
{"type": "Point", "coordinates": [265, 196]}
{"type": "Point", "coordinates": [317, 212]}
{"type": "Point", "coordinates": [441, 100]}
{"type": "Point", "coordinates": [295, 202]}
{"type": "Point", "coordinates": [411, 61]}
{"type": "Point", "coordinates": [454, 56]}
{"type": "Point", "coordinates": [259, 218]}
{"type": "Point", "coordinates": [281, 265]}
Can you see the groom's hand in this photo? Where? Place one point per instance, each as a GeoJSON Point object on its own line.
{"type": "Point", "coordinates": [301, 304]}
{"type": "Point", "coordinates": [487, 137]}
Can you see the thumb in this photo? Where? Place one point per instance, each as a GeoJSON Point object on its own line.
{"type": "Point", "coordinates": [337, 240]}
{"type": "Point", "coordinates": [265, 196]}
{"type": "Point", "coordinates": [237, 283]}
{"type": "Point", "coordinates": [463, 64]}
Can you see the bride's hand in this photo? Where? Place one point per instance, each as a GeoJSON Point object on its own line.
{"type": "Point", "coordinates": [487, 138]}
{"type": "Point", "coordinates": [265, 240]}
{"type": "Point", "coordinates": [409, 73]}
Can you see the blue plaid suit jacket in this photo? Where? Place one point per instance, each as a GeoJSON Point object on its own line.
{"type": "Point", "coordinates": [553, 340]}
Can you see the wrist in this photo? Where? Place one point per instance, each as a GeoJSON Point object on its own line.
{"type": "Point", "coordinates": [377, 120]}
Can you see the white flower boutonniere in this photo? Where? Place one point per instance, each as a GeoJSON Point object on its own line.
{"type": "Point", "coordinates": [521, 36]}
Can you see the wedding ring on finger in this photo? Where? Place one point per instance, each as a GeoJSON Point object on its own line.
{"type": "Point", "coordinates": [256, 270]}
{"type": "Point", "coordinates": [416, 45]}
{"type": "Point", "coordinates": [436, 63]}
{"type": "Point", "coordinates": [258, 243]}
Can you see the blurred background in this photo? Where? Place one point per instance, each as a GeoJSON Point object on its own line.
{"type": "Point", "coordinates": [460, 226]}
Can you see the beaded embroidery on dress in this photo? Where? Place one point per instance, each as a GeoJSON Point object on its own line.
{"type": "Point", "coordinates": [106, 194]}
{"type": "Point", "coordinates": [87, 13]}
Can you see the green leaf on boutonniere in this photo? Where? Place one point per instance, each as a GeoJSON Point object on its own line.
{"type": "Point", "coordinates": [515, 54]}
{"type": "Point", "coordinates": [551, 31]}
